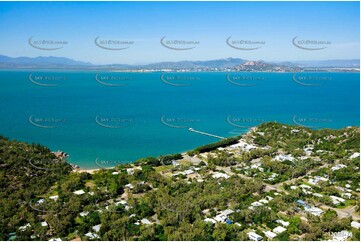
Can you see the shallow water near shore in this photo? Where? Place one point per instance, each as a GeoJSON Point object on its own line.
{"type": "Point", "coordinates": [119, 117]}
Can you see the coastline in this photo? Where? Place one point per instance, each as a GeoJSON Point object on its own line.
{"type": "Point", "coordinates": [90, 171]}
{"type": "Point", "coordinates": [78, 169]}
{"type": "Point", "coordinates": [184, 154]}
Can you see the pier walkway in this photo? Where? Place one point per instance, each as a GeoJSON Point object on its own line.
{"type": "Point", "coordinates": [200, 132]}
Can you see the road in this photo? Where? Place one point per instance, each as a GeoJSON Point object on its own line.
{"type": "Point", "coordinates": [344, 212]}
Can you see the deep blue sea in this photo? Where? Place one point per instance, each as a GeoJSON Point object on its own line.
{"type": "Point", "coordinates": [121, 117]}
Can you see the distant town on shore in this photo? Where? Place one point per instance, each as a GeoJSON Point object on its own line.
{"type": "Point", "coordinates": [219, 65]}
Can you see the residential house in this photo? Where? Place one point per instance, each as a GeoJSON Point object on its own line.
{"type": "Point", "coordinates": [210, 220]}
{"type": "Point", "coordinates": [346, 195]}
{"type": "Point", "coordinates": [269, 234]}
{"type": "Point", "coordinates": [337, 200]}
{"type": "Point", "coordinates": [54, 197]}
{"type": "Point", "coordinates": [284, 223]}
{"type": "Point", "coordinates": [355, 225]}
{"type": "Point", "coordinates": [279, 230]}
{"type": "Point", "coordinates": [220, 175]}
{"type": "Point", "coordinates": [145, 221]}
{"type": "Point", "coordinates": [338, 167]}
{"type": "Point", "coordinates": [91, 235]}
{"type": "Point", "coordinates": [25, 227]}
{"type": "Point", "coordinates": [313, 210]}
{"type": "Point", "coordinates": [341, 236]}
{"type": "Point", "coordinates": [79, 192]}
{"type": "Point", "coordinates": [282, 157]}
{"type": "Point", "coordinates": [354, 155]}
{"type": "Point", "coordinates": [130, 186]}
{"type": "Point", "coordinates": [96, 228]}
{"type": "Point", "coordinates": [253, 236]}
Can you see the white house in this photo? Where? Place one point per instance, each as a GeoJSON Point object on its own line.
{"type": "Point", "coordinates": [314, 211]}
{"type": "Point", "coordinates": [130, 171]}
{"type": "Point", "coordinates": [23, 228]}
{"type": "Point", "coordinates": [83, 214]}
{"type": "Point", "coordinates": [341, 236]}
{"type": "Point", "coordinates": [44, 224]}
{"type": "Point", "coordinates": [220, 218]}
{"type": "Point", "coordinates": [306, 191]}
{"type": "Point", "coordinates": [188, 172]}
{"type": "Point", "coordinates": [279, 230]}
{"type": "Point", "coordinates": [227, 212]}
{"type": "Point", "coordinates": [255, 165]}
{"type": "Point", "coordinates": [263, 201]}
{"type": "Point", "coordinates": [337, 200]}
{"type": "Point", "coordinates": [355, 225]}
{"type": "Point", "coordinates": [282, 157]}
{"type": "Point", "coordinates": [253, 236]}
{"type": "Point", "coordinates": [96, 228]}
{"type": "Point", "coordinates": [130, 186]}
{"type": "Point", "coordinates": [91, 235]}
{"type": "Point", "coordinates": [284, 223]}
{"type": "Point", "coordinates": [121, 202]}
{"type": "Point", "coordinates": [346, 195]}
{"type": "Point", "coordinates": [316, 179]}
{"type": "Point", "coordinates": [145, 221]}
{"type": "Point", "coordinates": [243, 145]}
{"type": "Point", "coordinates": [210, 220]}
{"type": "Point", "coordinates": [256, 204]}
{"type": "Point", "coordinates": [338, 167]}
{"type": "Point", "coordinates": [305, 186]}
{"type": "Point", "coordinates": [269, 234]}
{"type": "Point", "coordinates": [54, 197]}
{"type": "Point", "coordinates": [354, 155]}
{"type": "Point", "coordinates": [79, 192]}
{"type": "Point", "coordinates": [220, 175]}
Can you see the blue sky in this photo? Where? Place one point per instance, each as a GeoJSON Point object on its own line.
{"type": "Point", "coordinates": [210, 23]}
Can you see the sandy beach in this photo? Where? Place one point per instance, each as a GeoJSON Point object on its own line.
{"type": "Point", "coordinates": [90, 171]}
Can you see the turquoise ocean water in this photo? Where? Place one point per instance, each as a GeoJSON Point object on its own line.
{"type": "Point", "coordinates": [120, 117]}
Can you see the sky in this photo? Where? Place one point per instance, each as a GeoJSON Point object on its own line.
{"type": "Point", "coordinates": [209, 24]}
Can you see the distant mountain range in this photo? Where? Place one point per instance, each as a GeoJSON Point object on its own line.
{"type": "Point", "coordinates": [240, 64]}
{"type": "Point", "coordinates": [348, 63]}
{"type": "Point", "coordinates": [45, 62]}
{"type": "Point", "coordinates": [221, 63]}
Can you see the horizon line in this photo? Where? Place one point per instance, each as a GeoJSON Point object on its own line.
{"type": "Point", "coordinates": [186, 60]}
